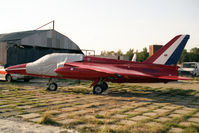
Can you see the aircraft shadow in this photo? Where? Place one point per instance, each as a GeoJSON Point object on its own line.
{"type": "Point", "coordinates": [174, 96]}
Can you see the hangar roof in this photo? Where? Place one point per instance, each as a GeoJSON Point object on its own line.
{"type": "Point", "coordinates": [40, 38]}
{"type": "Point", "coordinates": [18, 35]}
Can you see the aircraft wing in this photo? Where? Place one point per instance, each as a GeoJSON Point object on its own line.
{"type": "Point", "coordinates": [108, 69]}
{"type": "Point", "coordinates": [112, 71]}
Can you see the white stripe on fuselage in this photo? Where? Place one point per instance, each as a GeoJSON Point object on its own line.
{"type": "Point", "coordinates": [162, 59]}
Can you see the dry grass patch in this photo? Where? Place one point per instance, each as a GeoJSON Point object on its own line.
{"type": "Point", "coordinates": [47, 120]}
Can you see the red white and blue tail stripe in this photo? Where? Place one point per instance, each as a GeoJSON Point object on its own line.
{"type": "Point", "coordinates": [170, 53]}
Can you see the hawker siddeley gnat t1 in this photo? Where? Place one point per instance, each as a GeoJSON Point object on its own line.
{"type": "Point", "coordinates": [161, 67]}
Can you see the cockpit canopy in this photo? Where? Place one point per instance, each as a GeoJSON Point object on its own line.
{"type": "Point", "coordinates": [48, 63]}
{"type": "Point", "coordinates": [59, 57]}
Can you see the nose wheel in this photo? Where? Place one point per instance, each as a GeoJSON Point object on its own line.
{"type": "Point", "coordinates": [100, 88]}
{"type": "Point", "coordinates": [52, 86]}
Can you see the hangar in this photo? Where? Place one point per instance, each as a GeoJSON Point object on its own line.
{"type": "Point", "coordinates": [28, 46]}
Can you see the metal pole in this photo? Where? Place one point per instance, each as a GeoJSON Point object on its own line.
{"type": "Point", "coordinates": [47, 24]}
{"type": "Point", "coordinates": [53, 24]}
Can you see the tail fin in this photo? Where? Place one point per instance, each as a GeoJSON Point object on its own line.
{"type": "Point", "coordinates": [170, 53]}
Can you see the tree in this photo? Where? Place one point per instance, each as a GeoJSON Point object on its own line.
{"type": "Point", "coordinates": [143, 55]}
{"type": "Point", "coordinates": [119, 53]}
{"type": "Point", "coordinates": [108, 53]}
{"type": "Point", "coordinates": [130, 53]}
{"type": "Point", "coordinates": [184, 56]}
{"type": "Point", "coordinates": [195, 50]}
{"type": "Point", "coordinates": [194, 55]}
{"type": "Point", "coordinates": [103, 53]}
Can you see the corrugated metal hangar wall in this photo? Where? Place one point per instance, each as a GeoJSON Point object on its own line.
{"type": "Point", "coordinates": [28, 46]}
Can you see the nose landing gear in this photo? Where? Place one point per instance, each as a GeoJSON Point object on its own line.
{"type": "Point", "coordinates": [52, 86]}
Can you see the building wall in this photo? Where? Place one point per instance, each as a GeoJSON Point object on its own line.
{"type": "Point", "coordinates": [50, 39]}
{"type": "Point", "coordinates": [153, 49]}
{"type": "Point", "coordinates": [3, 53]}
{"type": "Point", "coordinates": [17, 55]}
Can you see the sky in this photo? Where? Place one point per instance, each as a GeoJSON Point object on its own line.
{"type": "Point", "coordinates": [106, 24]}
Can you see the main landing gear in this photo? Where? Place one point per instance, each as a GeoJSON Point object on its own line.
{"type": "Point", "coordinates": [100, 87]}
{"type": "Point", "coordinates": [52, 86]}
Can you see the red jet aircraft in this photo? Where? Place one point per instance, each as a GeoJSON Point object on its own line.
{"type": "Point", "coordinates": [161, 67]}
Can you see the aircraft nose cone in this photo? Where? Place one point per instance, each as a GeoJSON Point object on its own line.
{"type": "Point", "coordinates": [17, 69]}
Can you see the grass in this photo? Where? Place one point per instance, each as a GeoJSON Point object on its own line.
{"type": "Point", "coordinates": [47, 120]}
{"type": "Point", "coordinates": [92, 106]}
{"type": "Point", "coordinates": [174, 122]}
{"type": "Point", "coordinates": [87, 129]}
{"type": "Point", "coordinates": [78, 104]}
{"type": "Point", "coordinates": [105, 129]}
{"type": "Point", "coordinates": [75, 95]}
{"type": "Point", "coordinates": [180, 92]}
{"type": "Point", "coordinates": [191, 129]}
{"type": "Point", "coordinates": [40, 105]}
{"type": "Point", "coordinates": [196, 78]}
{"type": "Point", "coordinates": [21, 104]}
{"type": "Point", "coordinates": [75, 123]}
{"type": "Point", "coordinates": [99, 116]}
{"type": "Point", "coordinates": [23, 112]}
{"type": "Point", "coordinates": [76, 90]}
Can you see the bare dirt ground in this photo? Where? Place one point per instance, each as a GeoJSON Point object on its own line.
{"type": "Point", "coordinates": [172, 107]}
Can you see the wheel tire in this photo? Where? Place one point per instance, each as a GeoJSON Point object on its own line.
{"type": "Point", "coordinates": [105, 86]}
{"type": "Point", "coordinates": [9, 78]}
{"type": "Point", "coordinates": [98, 89]}
{"type": "Point", "coordinates": [52, 87]}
